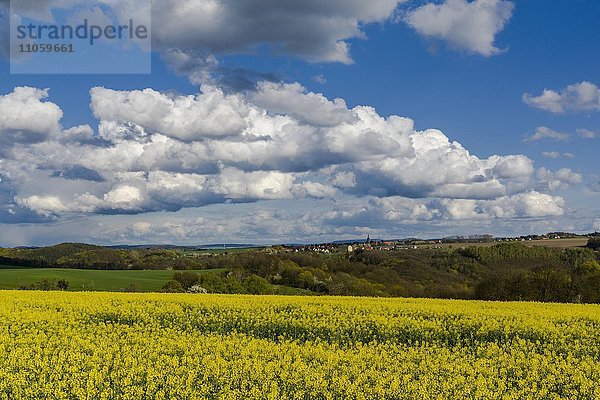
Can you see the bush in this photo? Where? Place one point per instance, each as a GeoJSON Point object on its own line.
{"type": "Point", "coordinates": [256, 285]}
{"type": "Point", "coordinates": [187, 279]}
{"type": "Point", "coordinates": [197, 289]}
{"type": "Point", "coordinates": [133, 288]}
{"type": "Point", "coordinates": [306, 280]}
{"type": "Point", "coordinates": [172, 287]}
{"type": "Point", "coordinates": [47, 285]}
{"type": "Point", "coordinates": [62, 284]}
{"type": "Point", "coordinates": [594, 243]}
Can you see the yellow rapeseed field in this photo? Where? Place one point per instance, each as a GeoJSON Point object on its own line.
{"type": "Point", "coordinates": [164, 346]}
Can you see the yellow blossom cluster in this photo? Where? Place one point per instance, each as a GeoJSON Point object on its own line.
{"type": "Point", "coordinates": [56, 345]}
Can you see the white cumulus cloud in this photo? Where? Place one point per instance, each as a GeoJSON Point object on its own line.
{"type": "Point", "coordinates": [562, 179]}
{"type": "Point", "coordinates": [544, 132]}
{"type": "Point", "coordinates": [162, 152]}
{"type": "Point", "coordinates": [310, 29]}
{"type": "Point", "coordinates": [383, 211]}
{"type": "Point", "coordinates": [583, 96]}
{"type": "Point", "coordinates": [466, 25]}
{"type": "Point", "coordinates": [588, 134]}
{"type": "Point", "coordinates": [210, 114]}
{"type": "Point", "coordinates": [555, 155]}
{"type": "Point", "coordinates": [26, 116]}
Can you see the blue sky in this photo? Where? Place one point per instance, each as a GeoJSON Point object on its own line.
{"type": "Point", "coordinates": [474, 70]}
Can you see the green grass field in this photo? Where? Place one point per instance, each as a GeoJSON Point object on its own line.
{"type": "Point", "coordinates": [88, 280]}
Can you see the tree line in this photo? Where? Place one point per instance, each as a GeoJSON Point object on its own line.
{"type": "Point", "coordinates": [507, 271]}
{"type": "Point", "coordinates": [503, 272]}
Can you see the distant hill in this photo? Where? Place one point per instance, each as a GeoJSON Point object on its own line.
{"type": "Point", "coordinates": [46, 255]}
{"type": "Point", "coordinates": [178, 247]}
{"type": "Point", "coordinates": [86, 256]}
{"type": "Point", "coordinates": [502, 271]}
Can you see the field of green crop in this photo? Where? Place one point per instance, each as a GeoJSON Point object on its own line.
{"type": "Point", "coordinates": [88, 280]}
{"type": "Point", "coordinates": [162, 346]}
